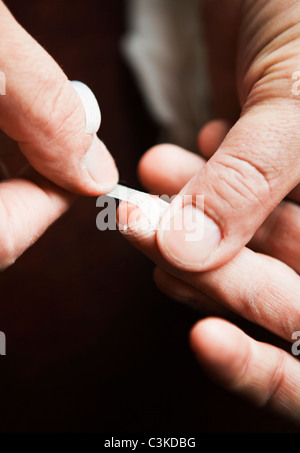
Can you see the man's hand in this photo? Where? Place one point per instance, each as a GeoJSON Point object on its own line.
{"type": "Point", "coordinates": [250, 182]}
{"type": "Point", "coordinates": [262, 287]}
{"type": "Point", "coordinates": [44, 114]}
{"type": "Point", "coordinates": [254, 50]}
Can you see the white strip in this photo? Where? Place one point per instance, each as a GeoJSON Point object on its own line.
{"type": "Point", "coordinates": [152, 207]}
{"type": "Point", "coordinates": [92, 109]}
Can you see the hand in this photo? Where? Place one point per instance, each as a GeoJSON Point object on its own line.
{"type": "Point", "coordinates": [43, 113]}
{"type": "Point", "coordinates": [254, 50]}
{"type": "Point", "coordinates": [257, 286]}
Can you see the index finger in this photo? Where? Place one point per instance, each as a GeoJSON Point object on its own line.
{"type": "Point", "coordinates": [257, 287]}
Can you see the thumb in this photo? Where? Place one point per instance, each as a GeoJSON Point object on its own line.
{"type": "Point", "coordinates": [219, 210]}
{"type": "Point", "coordinates": [54, 121]}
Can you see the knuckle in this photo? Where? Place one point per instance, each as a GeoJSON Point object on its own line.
{"type": "Point", "coordinates": [57, 113]}
{"type": "Point", "coordinates": [62, 114]}
{"type": "Point", "coordinates": [262, 301]}
{"type": "Point", "coordinates": [239, 181]}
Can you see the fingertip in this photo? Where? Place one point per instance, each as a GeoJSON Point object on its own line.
{"type": "Point", "coordinates": [123, 215]}
{"type": "Point", "coordinates": [204, 333]}
{"type": "Point", "coordinates": [100, 167]}
{"type": "Point", "coordinates": [62, 145]}
{"type": "Point", "coordinates": [98, 162]}
{"type": "Point", "coordinates": [133, 222]}
{"type": "Point", "coordinates": [211, 136]}
{"type": "Point", "coordinates": [148, 169]}
{"type": "Point", "coordinates": [165, 169]}
{"type": "Point", "coordinates": [221, 349]}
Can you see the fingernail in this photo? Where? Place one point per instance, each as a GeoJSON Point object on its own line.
{"type": "Point", "coordinates": [189, 237]}
{"type": "Point", "coordinates": [100, 165]}
{"type": "Point", "coordinates": [132, 221]}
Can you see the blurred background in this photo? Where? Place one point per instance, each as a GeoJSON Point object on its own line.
{"type": "Point", "coordinates": [94, 347]}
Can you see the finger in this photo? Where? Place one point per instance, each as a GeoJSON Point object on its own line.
{"type": "Point", "coordinates": [134, 226]}
{"type": "Point", "coordinates": [211, 137]}
{"type": "Point", "coordinates": [184, 293]}
{"type": "Point", "coordinates": [165, 169]}
{"type": "Point", "coordinates": [27, 208]}
{"type": "Point", "coordinates": [259, 288]}
{"type": "Point", "coordinates": [256, 166]}
{"type": "Point", "coordinates": [279, 235]}
{"type": "Point", "coordinates": [266, 375]}
{"type": "Point", "coordinates": [53, 121]}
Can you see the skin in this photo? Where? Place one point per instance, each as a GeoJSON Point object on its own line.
{"type": "Point", "coordinates": [254, 166]}
{"type": "Point", "coordinates": [261, 284]}
{"type": "Point", "coordinates": [249, 174]}
{"type": "Point", "coordinates": [43, 113]}
{"type": "Point", "coordinates": [253, 53]}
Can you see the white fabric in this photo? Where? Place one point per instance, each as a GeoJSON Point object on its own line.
{"type": "Point", "coordinates": [165, 49]}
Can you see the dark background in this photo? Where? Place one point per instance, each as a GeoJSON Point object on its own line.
{"type": "Point", "coordinates": [92, 345]}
